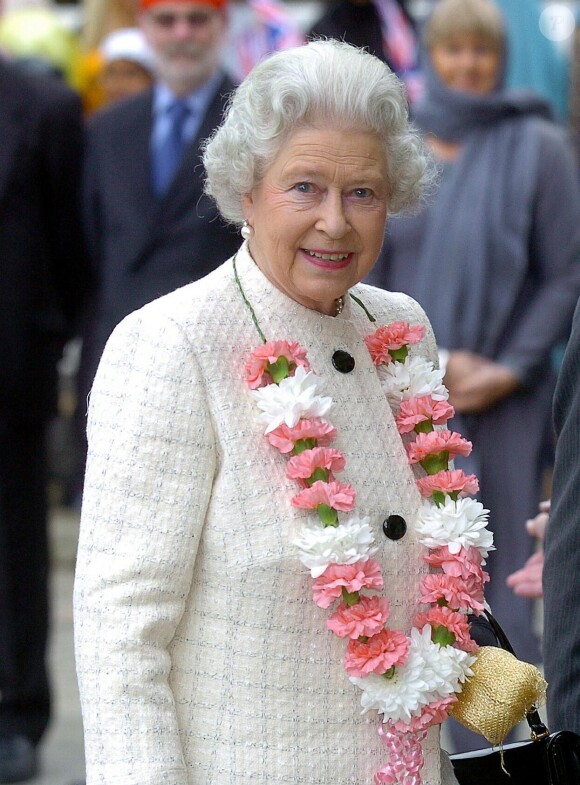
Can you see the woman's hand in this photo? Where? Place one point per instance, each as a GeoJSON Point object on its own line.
{"type": "Point", "coordinates": [527, 582]}
{"type": "Point", "coordinates": [476, 383]}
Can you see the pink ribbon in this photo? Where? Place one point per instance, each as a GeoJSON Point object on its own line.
{"type": "Point", "coordinates": [405, 758]}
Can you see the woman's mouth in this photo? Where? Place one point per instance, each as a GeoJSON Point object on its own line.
{"type": "Point", "coordinates": [330, 260]}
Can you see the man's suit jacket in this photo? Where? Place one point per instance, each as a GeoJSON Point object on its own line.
{"type": "Point", "coordinates": [143, 247]}
{"type": "Point", "coordinates": [43, 268]}
{"type": "Point", "coordinates": [562, 556]}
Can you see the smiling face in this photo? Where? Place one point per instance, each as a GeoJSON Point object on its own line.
{"type": "Point", "coordinates": [319, 214]}
{"type": "Point", "coordinates": [469, 62]}
{"type": "Point", "coordinates": [186, 39]}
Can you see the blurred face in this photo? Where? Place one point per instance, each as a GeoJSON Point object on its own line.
{"type": "Point", "coordinates": [467, 61]}
{"type": "Point", "coordinates": [319, 214]}
{"type": "Point", "coordinates": [186, 40]}
{"type": "Point", "coordinates": [123, 78]}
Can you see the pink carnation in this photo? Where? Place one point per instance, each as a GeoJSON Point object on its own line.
{"type": "Point", "coordinates": [457, 592]}
{"type": "Point", "coordinates": [435, 442]}
{"type": "Point", "coordinates": [366, 617]}
{"type": "Point", "coordinates": [454, 621]}
{"type": "Point", "coordinates": [256, 368]}
{"type": "Point", "coordinates": [464, 564]}
{"type": "Point", "coordinates": [423, 408]}
{"type": "Point", "coordinates": [384, 650]}
{"type": "Point", "coordinates": [283, 438]}
{"type": "Point", "coordinates": [433, 714]}
{"type": "Point", "coordinates": [390, 338]}
{"type": "Point", "coordinates": [338, 495]}
{"type": "Point", "coordinates": [454, 481]}
{"type": "Point", "coordinates": [353, 577]}
{"type": "Point", "coordinates": [303, 466]}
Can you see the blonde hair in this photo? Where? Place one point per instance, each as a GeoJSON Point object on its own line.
{"type": "Point", "coordinates": [475, 17]}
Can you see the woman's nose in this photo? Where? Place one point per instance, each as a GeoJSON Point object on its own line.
{"type": "Point", "coordinates": [332, 219]}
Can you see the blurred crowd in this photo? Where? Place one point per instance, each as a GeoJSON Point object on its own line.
{"type": "Point", "coordinates": [104, 109]}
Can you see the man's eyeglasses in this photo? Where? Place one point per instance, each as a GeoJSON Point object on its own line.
{"type": "Point", "coordinates": [194, 19]}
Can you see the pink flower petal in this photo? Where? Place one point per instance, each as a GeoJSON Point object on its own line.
{"type": "Point", "coordinates": [435, 442]}
{"type": "Point", "coordinates": [422, 409]}
{"type": "Point", "coordinates": [338, 495]}
{"type": "Point", "coordinates": [386, 649]}
{"type": "Point", "coordinates": [365, 618]}
{"type": "Point", "coordinates": [454, 481]}
{"type": "Point", "coordinates": [303, 466]}
{"type": "Point", "coordinates": [284, 437]}
{"type": "Point", "coordinates": [268, 353]}
{"type": "Point", "coordinates": [352, 577]}
{"type": "Point", "coordinates": [390, 338]}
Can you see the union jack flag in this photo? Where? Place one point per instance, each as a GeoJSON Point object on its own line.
{"type": "Point", "coordinates": [272, 29]}
{"type": "Point", "coordinates": [400, 46]}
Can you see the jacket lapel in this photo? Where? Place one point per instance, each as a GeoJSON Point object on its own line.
{"type": "Point", "coordinates": [187, 187]}
{"type": "Point", "coordinates": [189, 176]}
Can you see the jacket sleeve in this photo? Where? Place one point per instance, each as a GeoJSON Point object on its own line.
{"type": "Point", "coordinates": [62, 134]}
{"type": "Point", "coordinates": [554, 274]}
{"type": "Point", "coordinates": [562, 550]}
{"type": "Point", "coordinates": [149, 476]}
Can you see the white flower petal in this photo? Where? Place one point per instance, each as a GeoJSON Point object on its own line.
{"type": "Point", "coordinates": [432, 672]}
{"type": "Point", "coordinates": [295, 398]}
{"type": "Point", "coordinates": [346, 543]}
{"type": "Point", "coordinates": [457, 524]}
{"type": "Point", "coordinates": [413, 377]}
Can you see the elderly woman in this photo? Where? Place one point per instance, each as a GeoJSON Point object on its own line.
{"type": "Point", "coordinates": [494, 259]}
{"type": "Point", "coordinates": [243, 441]}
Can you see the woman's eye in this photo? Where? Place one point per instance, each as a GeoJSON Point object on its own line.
{"type": "Point", "coordinates": [362, 193]}
{"type": "Point", "coordinates": [303, 188]}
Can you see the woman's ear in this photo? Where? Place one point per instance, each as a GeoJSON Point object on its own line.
{"type": "Point", "coordinates": [248, 207]}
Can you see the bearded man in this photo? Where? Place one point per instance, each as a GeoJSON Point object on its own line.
{"type": "Point", "coordinates": [150, 228]}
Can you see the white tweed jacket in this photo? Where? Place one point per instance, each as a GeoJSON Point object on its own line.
{"type": "Point", "coordinates": [202, 659]}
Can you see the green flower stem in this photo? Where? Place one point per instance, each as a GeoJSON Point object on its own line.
{"type": "Point", "coordinates": [247, 303]}
{"type": "Point", "coordinates": [350, 598]}
{"type": "Point", "coordinates": [280, 369]}
{"type": "Point", "coordinates": [328, 515]}
{"type": "Point", "coordinates": [318, 474]}
{"type": "Point", "coordinates": [303, 444]}
{"type": "Point", "coordinates": [437, 462]}
{"type": "Point", "coordinates": [424, 427]}
{"type": "Point", "coordinates": [442, 636]}
{"type": "Point", "coordinates": [439, 498]}
{"type": "Point", "coordinates": [399, 355]}
{"type": "Point", "coordinates": [360, 303]}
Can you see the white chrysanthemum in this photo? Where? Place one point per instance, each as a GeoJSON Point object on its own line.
{"type": "Point", "coordinates": [456, 524]}
{"type": "Point", "coordinates": [346, 543]}
{"type": "Point", "coordinates": [431, 673]}
{"type": "Point", "coordinates": [413, 377]}
{"type": "Point", "coordinates": [294, 398]}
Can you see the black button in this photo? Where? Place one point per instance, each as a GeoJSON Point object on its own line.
{"type": "Point", "coordinates": [395, 527]}
{"type": "Point", "coordinates": [343, 361]}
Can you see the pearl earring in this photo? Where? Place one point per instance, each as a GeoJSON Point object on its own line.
{"type": "Point", "coordinates": [246, 231]}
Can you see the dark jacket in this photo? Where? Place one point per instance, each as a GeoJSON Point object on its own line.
{"type": "Point", "coordinates": [43, 268]}
{"type": "Point", "coordinates": [357, 24]}
{"type": "Point", "coordinates": [143, 248]}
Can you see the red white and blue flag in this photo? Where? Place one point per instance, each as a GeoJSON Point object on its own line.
{"type": "Point", "coordinates": [272, 29]}
{"type": "Point", "coordinates": [400, 46]}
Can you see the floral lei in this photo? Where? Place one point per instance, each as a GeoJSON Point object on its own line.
{"type": "Point", "coordinates": [411, 679]}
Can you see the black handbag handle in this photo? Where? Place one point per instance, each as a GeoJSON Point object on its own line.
{"type": "Point", "coordinates": [537, 728]}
